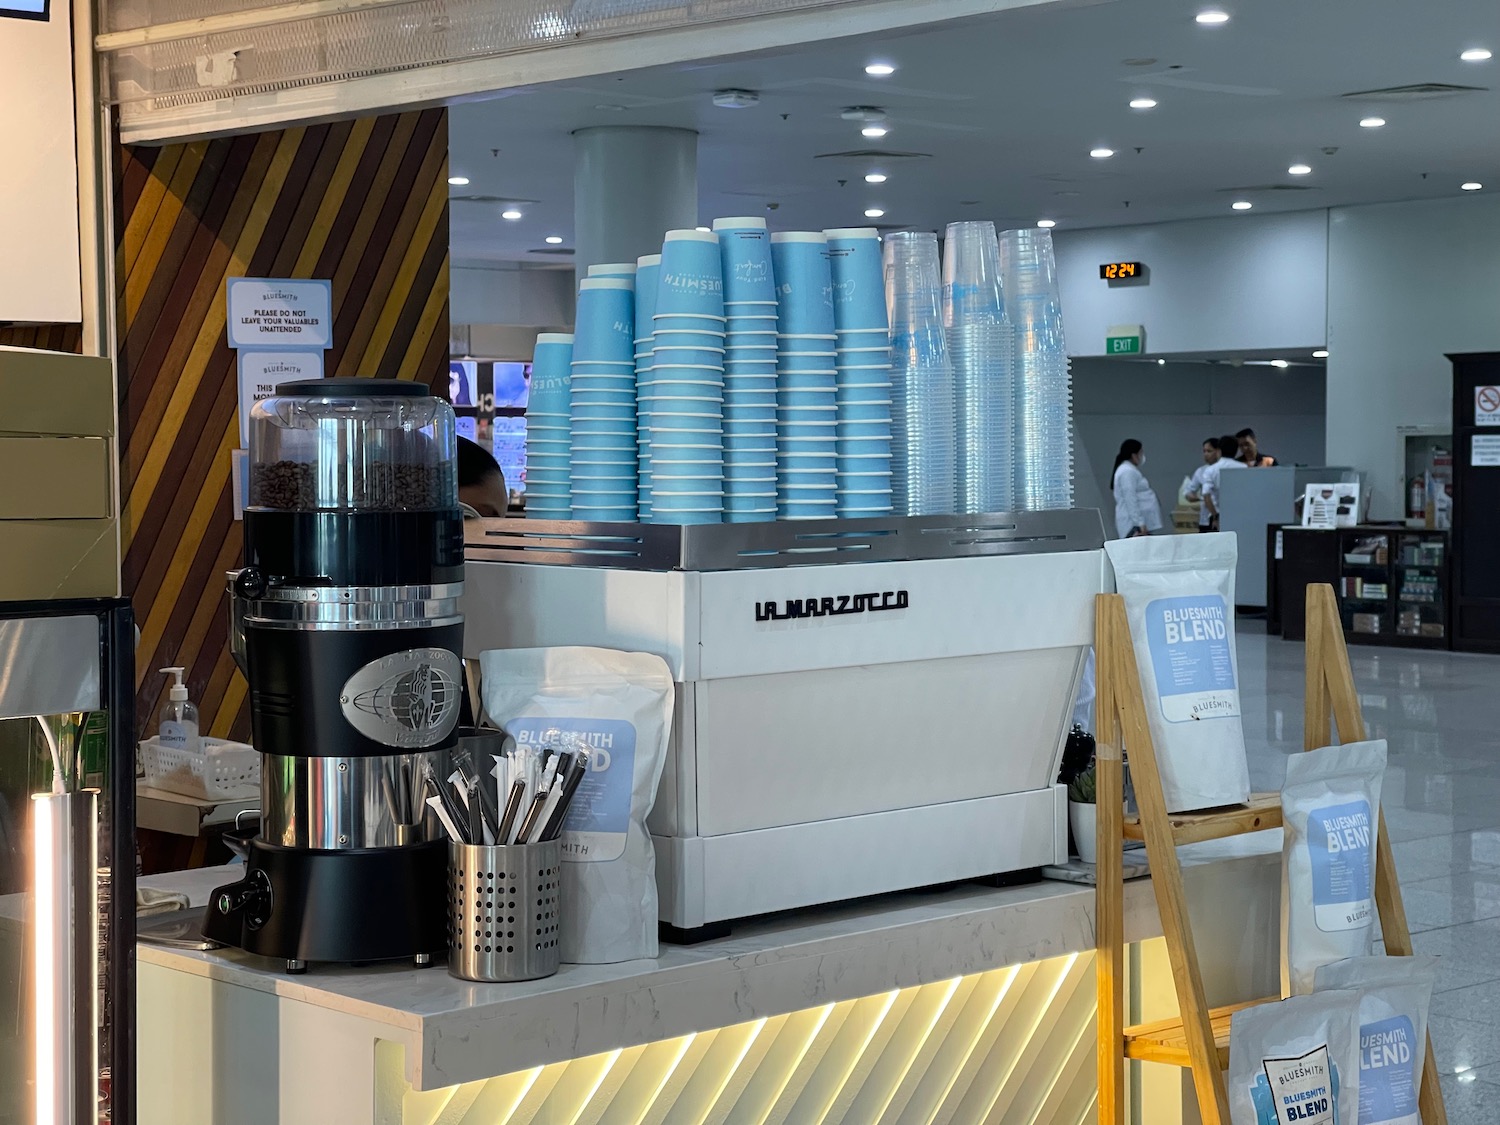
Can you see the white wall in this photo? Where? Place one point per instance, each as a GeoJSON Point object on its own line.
{"type": "Point", "coordinates": [511, 295]}
{"type": "Point", "coordinates": [39, 278]}
{"type": "Point", "coordinates": [1170, 409]}
{"type": "Point", "coordinates": [1407, 283]}
{"type": "Point", "coordinates": [1240, 283]}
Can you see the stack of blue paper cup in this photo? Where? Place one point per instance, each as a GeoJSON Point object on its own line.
{"type": "Point", "coordinates": [806, 381]}
{"type": "Point", "coordinates": [749, 370]}
{"type": "Point", "coordinates": [684, 397]}
{"type": "Point", "coordinates": [863, 363]}
{"type": "Point", "coordinates": [603, 471]}
{"type": "Point", "coordinates": [613, 269]}
{"type": "Point", "coordinates": [647, 277]}
{"type": "Point", "coordinates": [548, 425]}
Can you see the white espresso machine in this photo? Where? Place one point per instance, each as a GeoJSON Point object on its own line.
{"type": "Point", "coordinates": [863, 706]}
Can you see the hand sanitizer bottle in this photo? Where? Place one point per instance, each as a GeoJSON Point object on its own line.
{"type": "Point", "coordinates": [179, 717]}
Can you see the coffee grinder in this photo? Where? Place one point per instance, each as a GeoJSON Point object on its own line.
{"type": "Point", "coordinates": [345, 621]}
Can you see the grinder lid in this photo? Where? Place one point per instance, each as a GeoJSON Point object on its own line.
{"type": "Point", "coordinates": [354, 388]}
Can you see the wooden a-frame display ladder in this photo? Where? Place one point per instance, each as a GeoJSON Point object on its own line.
{"type": "Point", "coordinates": [1199, 1040]}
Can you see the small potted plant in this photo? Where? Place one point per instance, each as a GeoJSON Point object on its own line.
{"type": "Point", "coordinates": [1083, 815]}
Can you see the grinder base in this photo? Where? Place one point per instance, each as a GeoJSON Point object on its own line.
{"type": "Point", "coordinates": [373, 904]}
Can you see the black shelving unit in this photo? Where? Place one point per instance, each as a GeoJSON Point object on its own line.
{"type": "Point", "coordinates": [1393, 583]}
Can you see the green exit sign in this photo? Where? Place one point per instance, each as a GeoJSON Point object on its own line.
{"type": "Point", "coordinates": [1124, 339]}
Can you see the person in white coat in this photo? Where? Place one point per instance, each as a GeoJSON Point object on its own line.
{"type": "Point", "coordinates": [1137, 511]}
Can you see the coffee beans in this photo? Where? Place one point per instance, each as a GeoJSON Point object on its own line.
{"type": "Point", "coordinates": [378, 486]}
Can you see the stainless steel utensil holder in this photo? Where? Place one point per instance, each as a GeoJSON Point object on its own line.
{"type": "Point", "coordinates": [503, 911]}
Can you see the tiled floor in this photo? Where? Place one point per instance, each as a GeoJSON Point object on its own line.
{"type": "Point", "coordinates": [1440, 713]}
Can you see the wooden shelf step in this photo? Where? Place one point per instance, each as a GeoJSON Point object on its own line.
{"type": "Point", "coordinates": [1263, 811]}
{"type": "Point", "coordinates": [1165, 1041]}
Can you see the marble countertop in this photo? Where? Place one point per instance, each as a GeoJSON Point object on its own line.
{"type": "Point", "coordinates": [459, 1031]}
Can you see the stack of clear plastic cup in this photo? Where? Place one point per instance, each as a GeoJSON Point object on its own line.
{"type": "Point", "coordinates": [549, 413]}
{"type": "Point", "coordinates": [863, 366]}
{"type": "Point", "coordinates": [806, 378]}
{"type": "Point", "coordinates": [647, 277]}
{"type": "Point", "coordinates": [684, 398]}
{"type": "Point", "coordinates": [603, 453]}
{"type": "Point", "coordinates": [923, 395]}
{"type": "Point", "coordinates": [749, 370]}
{"type": "Point", "coordinates": [1043, 392]}
{"type": "Point", "coordinates": [981, 343]}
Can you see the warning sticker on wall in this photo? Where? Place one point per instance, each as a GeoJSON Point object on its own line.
{"type": "Point", "coordinates": [1487, 406]}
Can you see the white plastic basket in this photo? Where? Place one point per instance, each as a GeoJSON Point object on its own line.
{"type": "Point", "coordinates": [219, 771]}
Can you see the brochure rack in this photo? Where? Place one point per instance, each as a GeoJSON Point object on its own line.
{"type": "Point", "coordinates": [1199, 1038]}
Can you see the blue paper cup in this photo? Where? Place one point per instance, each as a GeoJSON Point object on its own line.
{"type": "Point", "coordinates": [804, 283]}
{"type": "Point", "coordinates": [708, 422]}
{"type": "Point", "coordinates": [685, 322]}
{"type": "Point", "coordinates": [692, 276]}
{"type": "Point", "coordinates": [664, 503]}
{"type": "Point", "coordinates": [750, 501]}
{"type": "Point", "coordinates": [873, 339]}
{"type": "Point", "coordinates": [792, 446]}
{"type": "Point", "coordinates": [745, 257]}
{"type": "Point", "coordinates": [795, 398]}
{"type": "Point", "coordinates": [854, 260]}
{"type": "Point", "coordinates": [704, 485]}
{"type": "Point", "coordinates": [647, 278]}
{"type": "Point", "coordinates": [622, 441]}
{"type": "Point", "coordinates": [604, 328]}
{"type": "Point", "coordinates": [613, 269]}
{"type": "Point", "coordinates": [603, 398]}
{"type": "Point", "coordinates": [687, 338]}
{"type": "Point", "coordinates": [604, 515]}
{"type": "Point", "coordinates": [865, 412]}
{"type": "Point", "coordinates": [747, 330]}
{"type": "Point", "coordinates": [748, 435]}
{"type": "Point", "coordinates": [880, 430]}
{"type": "Point", "coordinates": [688, 357]}
{"type": "Point", "coordinates": [596, 412]}
{"type": "Point", "coordinates": [695, 456]}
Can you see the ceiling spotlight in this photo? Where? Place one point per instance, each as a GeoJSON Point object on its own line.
{"type": "Point", "coordinates": [1242, 205]}
{"type": "Point", "coordinates": [553, 240]}
{"type": "Point", "coordinates": [1142, 103]}
{"type": "Point", "coordinates": [874, 131]}
{"type": "Point", "coordinates": [458, 181]}
{"type": "Point", "coordinates": [880, 70]}
{"type": "Point", "coordinates": [1046, 224]}
{"type": "Point", "coordinates": [1280, 363]}
{"type": "Point", "coordinates": [1299, 170]}
{"type": "Point", "coordinates": [874, 213]}
{"type": "Point", "coordinates": [1472, 185]}
{"type": "Point", "coordinates": [1212, 17]}
{"type": "Point", "coordinates": [1475, 54]}
{"type": "Point", "coordinates": [1321, 353]}
{"type": "Point", "coordinates": [512, 214]}
{"type": "Point", "coordinates": [1101, 153]}
{"type": "Point", "coordinates": [1161, 363]}
{"type": "Point", "coordinates": [1371, 122]}
{"type": "Point", "coordinates": [875, 177]}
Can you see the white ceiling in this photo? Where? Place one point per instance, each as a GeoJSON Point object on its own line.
{"type": "Point", "coordinates": [1007, 107]}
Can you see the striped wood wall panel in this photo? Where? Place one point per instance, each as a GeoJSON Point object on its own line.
{"type": "Point", "coordinates": [364, 203]}
{"type": "Point", "coordinates": [1012, 1046]}
{"type": "Point", "coordinates": [47, 337]}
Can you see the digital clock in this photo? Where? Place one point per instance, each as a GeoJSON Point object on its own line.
{"type": "Point", "coordinates": [1118, 271]}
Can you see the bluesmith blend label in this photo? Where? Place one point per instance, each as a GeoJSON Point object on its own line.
{"type": "Point", "coordinates": [1190, 641]}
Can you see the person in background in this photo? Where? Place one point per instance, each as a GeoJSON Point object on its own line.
{"type": "Point", "coordinates": [481, 484]}
{"type": "Point", "coordinates": [1228, 447]}
{"type": "Point", "coordinates": [1137, 511]}
{"type": "Point", "coordinates": [1249, 451]}
{"type": "Point", "coordinates": [1199, 489]}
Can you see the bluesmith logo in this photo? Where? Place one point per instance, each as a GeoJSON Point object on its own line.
{"type": "Point", "coordinates": [837, 605]}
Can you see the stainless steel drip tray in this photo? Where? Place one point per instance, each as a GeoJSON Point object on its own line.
{"type": "Point", "coordinates": [780, 543]}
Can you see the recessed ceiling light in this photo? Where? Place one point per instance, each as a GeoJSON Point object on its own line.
{"type": "Point", "coordinates": [553, 240]}
{"type": "Point", "coordinates": [458, 181]}
{"type": "Point", "coordinates": [1242, 205]}
{"type": "Point", "coordinates": [1211, 17]}
{"type": "Point", "coordinates": [1321, 353]}
{"type": "Point", "coordinates": [1371, 122]}
{"type": "Point", "coordinates": [880, 70]}
{"type": "Point", "coordinates": [1280, 363]}
{"type": "Point", "coordinates": [1046, 224]}
{"type": "Point", "coordinates": [1472, 185]}
{"type": "Point", "coordinates": [874, 213]}
{"type": "Point", "coordinates": [1475, 54]}
{"type": "Point", "coordinates": [1101, 153]}
{"type": "Point", "coordinates": [875, 177]}
{"type": "Point", "coordinates": [1299, 170]}
{"type": "Point", "coordinates": [874, 131]}
{"type": "Point", "coordinates": [1142, 103]}
{"type": "Point", "coordinates": [512, 214]}
{"type": "Point", "coordinates": [1161, 363]}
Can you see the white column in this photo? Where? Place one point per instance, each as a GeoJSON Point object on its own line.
{"type": "Point", "coordinates": [631, 184]}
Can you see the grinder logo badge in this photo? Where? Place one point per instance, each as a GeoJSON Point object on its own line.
{"type": "Point", "coordinates": [407, 699]}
